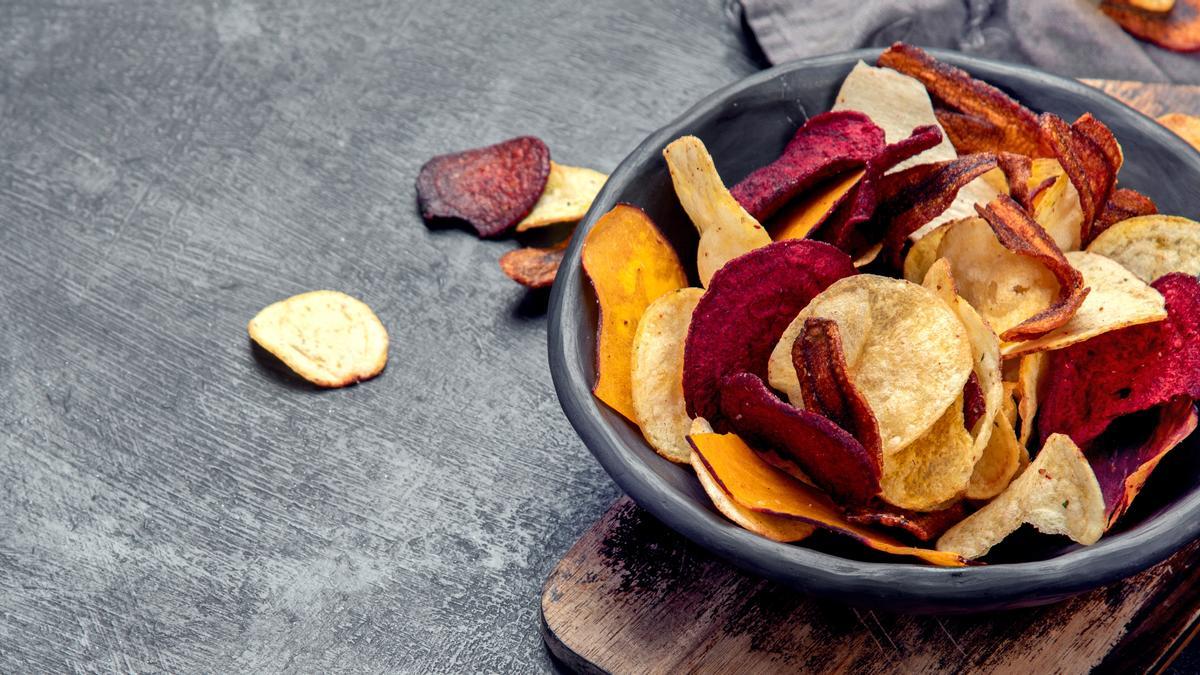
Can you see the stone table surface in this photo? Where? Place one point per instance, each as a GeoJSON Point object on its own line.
{"type": "Point", "coordinates": [169, 500]}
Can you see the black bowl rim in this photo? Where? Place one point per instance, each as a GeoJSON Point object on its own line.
{"type": "Point", "coordinates": [817, 572]}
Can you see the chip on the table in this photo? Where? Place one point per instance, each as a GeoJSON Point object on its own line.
{"type": "Point", "coordinates": [326, 337]}
{"type": "Point", "coordinates": [566, 198]}
{"type": "Point", "coordinates": [657, 376]}
{"type": "Point", "coordinates": [1152, 246]}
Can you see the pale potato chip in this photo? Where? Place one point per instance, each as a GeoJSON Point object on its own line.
{"type": "Point", "coordinates": [726, 230]}
{"type": "Point", "coordinates": [1057, 494]}
{"type": "Point", "coordinates": [775, 528]}
{"type": "Point", "coordinates": [999, 463]}
{"type": "Point", "coordinates": [699, 426]}
{"type": "Point", "coordinates": [923, 253]}
{"type": "Point", "coordinates": [566, 198]}
{"type": "Point", "coordinates": [1152, 246]}
{"type": "Point", "coordinates": [906, 352]}
{"type": "Point", "coordinates": [1118, 299]}
{"type": "Point", "coordinates": [1029, 380]}
{"type": "Point", "coordinates": [657, 374]}
{"type": "Point", "coordinates": [1057, 208]}
{"type": "Point", "coordinates": [326, 337]}
{"type": "Point", "coordinates": [933, 471]}
{"type": "Point", "coordinates": [1004, 287]}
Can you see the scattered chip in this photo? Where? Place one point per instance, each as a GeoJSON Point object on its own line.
{"type": "Point", "coordinates": [326, 337]}
{"type": "Point", "coordinates": [758, 486]}
{"type": "Point", "coordinates": [491, 188]}
{"type": "Point", "coordinates": [1117, 299]}
{"type": "Point", "coordinates": [657, 374]}
{"type": "Point", "coordinates": [773, 527]}
{"type": "Point", "coordinates": [1057, 494]}
{"type": "Point", "coordinates": [534, 267]}
{"type": "Point", "coordinates": [933, 471]}
{"type": "Point", "coordinates": [907, 353]}
{"type": "Point", "coordinates": [1152, 246]}
{"type": "Point", "coordinates": [1186, 127]}
{"type": "Point", "coordinates": [630, 265]}
{"type": "Point", "coordinates": [746, 308]}
{"type": "Point", "coordinates": [726, 229]}
{"type": "Point", "coordinates": [566, 198]}
{"type": "Point", "coordinates": [1177, 29]}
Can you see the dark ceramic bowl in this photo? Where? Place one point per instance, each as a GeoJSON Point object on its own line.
{"type": "Point", "coordinates": [746, 125]}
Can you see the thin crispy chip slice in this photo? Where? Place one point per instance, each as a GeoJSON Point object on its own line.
{"type": "Point", "coordinates": [1118, 299]}
{"type": "Point", "coordinates": [925, 526]}
{"type": "Point", "coordinates": [922, 254]}
{"type": "Point", "coordinates": [534, 267]}
{"type": "Point", "coordinates": [773, 527]}
{"type": "Point", "coordinates": [1152, 246]}
{"type": "Point", "coordinates": [327, 337]}
{"type": "Point", "coordinates": [825, 382]}
{"type": "Point", "coordinates": [907, 353]}
{"type": "Point", "coordinates": [1177, 29]}
{"type": "Point", "coordinates": [1018, 171]}
{"type": "Point", "coordinates": [1031, 376]}
{"type": "Point", "coordinates": [566, 198]}
{"type": "Point", "coordinates": [1056, 205]}
{"type": "Point", "coordinates": [934, 470]}
{"type": "Point", "coordinates": [630, 265]}
{"type": "Point", "coordinates": [809, 213]}
{"type": "Point", "coordinates": [657, 374]}
{"type": "Point", "coordinates": [1086, 151]}
{"type": "Point", "coordinates": [1123, 205]}
{"type": "Point", "coordinates": [970, 133]}
{"type": "Point", "coordinates": [1057, 494]}
{"type": "Point", "coordinates": [726, 229]}
{"type": "Point", "coordinates": [1186, 127]}
{"type": "Point", "coordinates": [758, 486]}
{"type": "Point", "coordinates": [999, 463]}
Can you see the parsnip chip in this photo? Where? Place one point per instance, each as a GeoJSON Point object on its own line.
{"type": "Point", "coordinates": [775, 528]}
{"type": "Point", "coordinates": [907, 353]}
{"type": "Point", "coordinates": [326, 337]}
{"type": "Point", "coordinates": [758, 486]}
{"type": "Point", "coordinates": [1057, 494]}
{"type": "Point", "coordinates": [1118, 299]}
{"type": "Point", "coordinates": [1152, 246]}
{"type": "Point", "coordinates": [934, 470]}
{"type": "Point", "coordinates": [630, 265]}
{"type": "Point", "coordinates": [1000, 461]}
{"type": "Point", "coordinates": [726, 229]}
{"type": "Point", "coordinates": [1030, 377]}
{"type": "Point", "coordinates": [923, 253]}
{"type": "Point", "coordinates": [657, 375]}
{"type": "Point", "coordinates": [566, 198]}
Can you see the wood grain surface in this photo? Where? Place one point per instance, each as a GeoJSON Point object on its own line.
{"type": "Point", "coordinates": [169, 501]}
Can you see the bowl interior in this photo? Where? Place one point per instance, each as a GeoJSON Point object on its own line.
{"type": "Point", "coordinates": [746, 126]}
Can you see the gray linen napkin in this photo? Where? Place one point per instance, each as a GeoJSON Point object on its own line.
{"type": "Point", "coordinates": [1068, 37]}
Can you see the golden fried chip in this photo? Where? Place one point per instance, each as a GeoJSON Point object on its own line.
{"type": "Point", "coordinates": [534, 267]}
{"type": "Point", "coordinates": [810, 211]}
{"type": "Point", "coordinates": [907, 353]}
{"type": "Point", "coordinates": [1057, 494]}
{"type": "Point", "coordinates": [1153, 5]}
{"type": "Point", "coordinates": [1186, 127]}
{"type": "Point", "coordinates": [657, 376]}
{"type": "Point", "coordinates": [1056, 208]}
{"type": "Point", "coordinates": [726, 229]}
{"type": "Point", "coordinates": [1151, 246]}
{"type": "Point", "coordinates": [999, 463]}
{"type": "Point", "coordinates": [923, 253]}
{"type": "Point", "coordinates": [566, 198]}
{"type": "Point", "coordinates": [1029, 380]}
{"type": "Point", "coordinates": [1118, 299]}
{"type": "Point", "coordinates": [775, 528]}
{"type": "Point", "coordinates": [933, 471]}
{"type": "Point", "coordinates": [326, 337]}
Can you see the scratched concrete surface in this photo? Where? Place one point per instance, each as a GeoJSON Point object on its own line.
{"type": "Point", "coordinates": [171, 502]}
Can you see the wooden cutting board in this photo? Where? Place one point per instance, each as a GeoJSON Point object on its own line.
{"type": "Point", "coordinates": [633, 596]}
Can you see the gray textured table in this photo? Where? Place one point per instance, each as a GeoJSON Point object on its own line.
{"type": "Point", "coordinates": [168, 501]}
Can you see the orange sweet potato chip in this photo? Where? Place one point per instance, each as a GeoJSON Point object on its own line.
{"type": "Point", "coordinates": [758, 486]}
{"type": "Point", "coordinates": [810, 212]}
{"type": "Point", "coordinates": [630, 265]}
{"type": "Point", "coordinates": [1177, 29]}
{"type": "Point", "coordinates": [533, 267]}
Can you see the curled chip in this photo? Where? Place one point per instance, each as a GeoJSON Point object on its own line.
{"type": "Point", "coordinates": [1117, 299]}
{"type": "Point", "coordinates": [1152, 246]}
{"type": "Point", "coordinates": [746, 308]}
{"type": "Point", "coordinates": [970, 133]}
{"type": "Point", "coordinates": [1123, 459]}
{"type": "Point", "coordinates": [1090, 384]}
{"type": "Point", "coordinates": [1123, 205]}
{"type": "Point", "coordinates": [1021, 234]}
{"type": "Point", "coordinates": [630, 265]}
{"type": "Point", "coordinates": [907, 353]}
{"type": "Point", "coordinates": [657, 374]}
{"type": "Point", "coordinates": [491, 188]}
{"type": "Point", "coordinates": [1018, 171]}
{"type": "Point", "coordinates": [1057, 494]}
{"type": "Point", "coordinates": [726, 229]}
{"type": "Point", "coordinates": [1000, 461]}
{"type": "Point", "coordinates": [1186, 127]}
{"type": "Point", "coordinates": [1031, 378]}
{"type": "Point", "coordinates": [1177, 29]}
{"type": "Point", "coordinates": [326, 337]}
{"type": "Point", "coordinates": [534, 267]}
{"type": "Point", "coordinates": [1085, 150]}
{"type": "Point", "coordinates": [925, 526]}
{"type": "Point", "coordinates": [955, 89]}
{"type": "Point", "coordinates": [1056, 205]}
{"type": "Point", "coordinates": [825, 382]}
{"type": "Point", "coordinates": [566, 198]}
{"type": "Point", "coordinates": [924, 253]}
{"type": "Point", "coordinates": [827, 144]}
{"type": "Point", "coordinates": [933, 471]}
{"type": "Point", "coordinates": [825, 452]}
{"type": "Point", "coordinates": [773, 527]}
{"type": "Point", "coordinates": [809, 213]}
{"type": "Point", "coordinates": [758, 486]}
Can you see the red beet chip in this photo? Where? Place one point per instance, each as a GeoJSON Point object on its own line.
{"type": "Point", "coordinates": [827, 144]}
{"type": "Point", "coordinates": [1091, 384]}
{"type": "Point", "coordinates": [749, 303]}
{"type": "Point", "coordinates": [827, 453]}
{"type": "Point", "coordinates": [491, 188]}
{"type": "Point", "coordinates": [974, 405]}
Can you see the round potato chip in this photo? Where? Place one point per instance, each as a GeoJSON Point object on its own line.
{"type": "Point", "coordinates": [657, 375]}
{"type": "Point", "coordinates": [923, 253]}
{"type": "Point", "coordinates": [906, 352]}
{"type": "Point", "coordinates": [1152, 246]}
{"type": "Point", "coordinates": [1000, 461]}
{"type": "Point", "coordinates": [326, 337]}
{"type": "Point", "coordinates": [933, 471]}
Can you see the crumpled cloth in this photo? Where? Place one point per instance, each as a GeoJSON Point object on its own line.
{"type": "Point", "coordinates": [1068, 37]}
